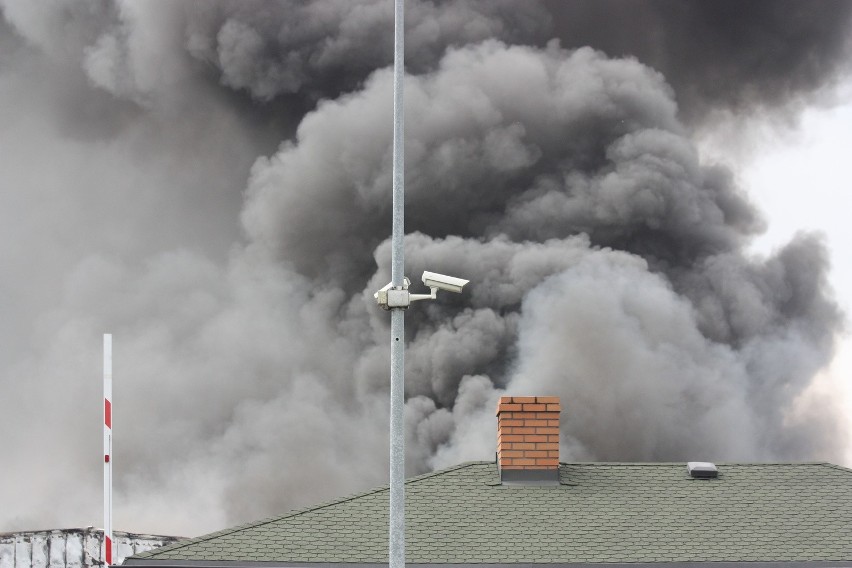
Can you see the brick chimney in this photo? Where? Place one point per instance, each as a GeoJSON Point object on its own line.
{"type": "Point", "coordinates": [528, 439]}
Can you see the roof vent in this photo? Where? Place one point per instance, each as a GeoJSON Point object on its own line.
{"type": "Point", "coordinates": [702, 470]}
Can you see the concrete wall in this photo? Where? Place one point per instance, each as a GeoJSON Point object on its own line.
{"type": "Point", "coordinates": [71, 548]}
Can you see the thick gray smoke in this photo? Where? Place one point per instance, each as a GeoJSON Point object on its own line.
{"type": "Point", "coordinates": [761, 54]}
{"type": "Point", "coordinates": [210, 182]}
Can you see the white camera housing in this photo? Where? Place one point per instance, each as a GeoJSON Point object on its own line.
{"type": "Point", "coordinates": [444, 282]}
{"type": "Point", "coordinates": [391, 298]}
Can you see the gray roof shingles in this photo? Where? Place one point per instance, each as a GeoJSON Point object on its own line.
{"type": "Point", "coordinates": [602, 512]}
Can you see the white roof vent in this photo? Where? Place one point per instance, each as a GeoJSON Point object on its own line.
{"type": "Point", "coordinates": [702, 470]}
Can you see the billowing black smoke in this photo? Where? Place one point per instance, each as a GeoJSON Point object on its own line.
{"type": "Point", "coordinates": [739, 55]}
{"type": "Point", "coordinates": [210, 182]}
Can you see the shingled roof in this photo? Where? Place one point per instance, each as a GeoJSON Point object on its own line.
{"type": "Point", "coordinates": [599, 513]}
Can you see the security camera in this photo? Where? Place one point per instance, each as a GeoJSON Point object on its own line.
{"type": "Point", "coordinates": [385, 288]}
{"type": "Point", "coordinates": [442, 281]}
{"type": "Point", "coordinates": [390, 297]}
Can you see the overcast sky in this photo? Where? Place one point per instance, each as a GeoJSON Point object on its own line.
{"type": "Point", "coordinates": [801, 179]}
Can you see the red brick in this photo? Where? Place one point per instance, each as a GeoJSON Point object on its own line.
{"type": "Point", "coordinates": [510, 415]}
{"type": "Point", "coordinates": [546, 416]}
{"type": "Point", "coordinates": [523, 399]}
{"type": "Point", "coordinates": [528, 432]}
{"type": "Point", "coordinates": [513, 438]}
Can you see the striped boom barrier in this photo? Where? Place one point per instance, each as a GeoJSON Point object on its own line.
{"type": "Point", "coordinates": [108, 545]}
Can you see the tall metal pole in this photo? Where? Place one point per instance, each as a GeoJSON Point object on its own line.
{"type": "Point", "coordinates": [108, 546]}
{"type": "Point", "coordinates": [396, 537]}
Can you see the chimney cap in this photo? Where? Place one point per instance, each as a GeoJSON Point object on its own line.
{"type": "Point", "coordinates": [528, 404]}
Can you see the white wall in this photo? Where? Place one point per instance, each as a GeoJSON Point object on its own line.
{"type": "Point", "coordinates": [70, 548]}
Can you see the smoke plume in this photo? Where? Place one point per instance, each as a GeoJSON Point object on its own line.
{"type": "Point", "coordinates": [764, 55]}
{"type": "Point", "coordinates": [210, 182]}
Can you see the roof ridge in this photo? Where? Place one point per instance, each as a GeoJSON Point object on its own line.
{"type": "Point", "coordinates": [671, 463]}
{"type": "Point", "coordinates": [836, 466]}
{"type": "Point", "coordinates": [295, 512]}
